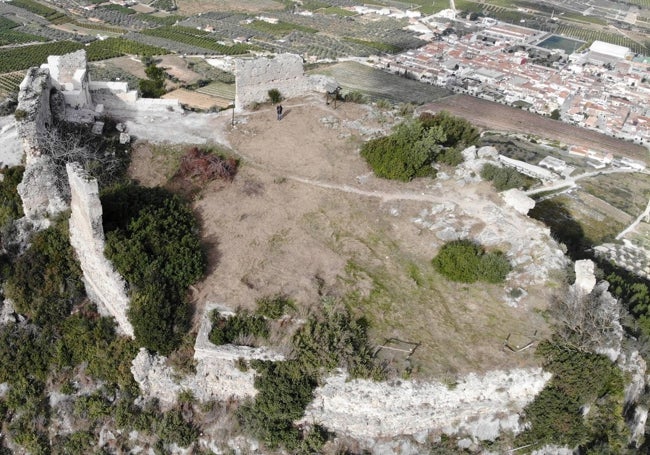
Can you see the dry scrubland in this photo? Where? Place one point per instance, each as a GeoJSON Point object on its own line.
{"type": "Point", "coordinates": [305, 217]}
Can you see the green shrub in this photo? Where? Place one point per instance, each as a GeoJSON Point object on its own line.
{"type": "Point", "coordinates": [233, 329]}
{"type": "Point", "coordinates": [274, 307]}
{"type": "Point", "coordinates": [154, 244]}
{"type": "Point", "coordinates": [160, 318]}
{"type": "Point", "coordinates": [467, 262]}
{"type": "Point", "coordinates": [355, 96]}
{"type": "Point", "coordinates": [579, 379]}
{"type": "Point", "coordinates": [405, 154]}
{"type": "Point", "coordinates": [275, 96]}
{"type": "Point", "coordinates": [45, 282]}
{"type": "Point", "coordinates": [459, 132]}
{"type": "Point", "coordinates": [20, 114]}
{"type": "Point", "coordinates": [505, 178]}
{"type": "Point", "coordinates": [11, 206]}
{"type": "Point", "coordinates": [284, 390]}
{"type": "Point", "coordinates": [336, 339]}
{"type": "Point", "coordinates": [173, 429]}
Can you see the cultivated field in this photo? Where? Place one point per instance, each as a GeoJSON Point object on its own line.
{"type": "Point", "coordinates": [629, 194]}
{"type": "Point", "coordinates": [494, 116]}
{"type": "Point", "coordinates": [189, 7]}
{"type": "Point", "coordinates": [378, 84]}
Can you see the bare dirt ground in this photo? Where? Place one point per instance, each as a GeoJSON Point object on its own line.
{"type": "Point", "coordinates": [190, 7]}
{"type": "Point", "coordinates": [177, 67]}
{"type": "Point", "coordinates": [305, 217]}
{"type": "Point", "coordinates": [194, 99]}
{"type": "Point", "coordinates": [131, 65]}
{"type": "Point", "coordinates": [494, 116]}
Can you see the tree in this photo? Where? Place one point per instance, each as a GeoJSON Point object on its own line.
{"type": "Point", "coordinates": [555, 114]}
{"type": "Point", "coordinates": [467, 262]}
{"type": "Point", "coordinates": [154, 87]}
{"type": "Point", "coordinates": [405, 154]}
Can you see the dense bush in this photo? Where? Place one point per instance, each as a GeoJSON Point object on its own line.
{"type": "Point", "coordinates": [329, 339]}
{"type": "Point", "coordinates": [154, 244]}
{"type": "Point", "coordinates": [11, 206]}
{"type": "Point", "coordinates": [284, 390]}
{"type": "Point", "coordinates": [467, 262]}
{"type": "Point", "coordinates": [45, 282]}
{"type": "Point", "coordinates": [505, 178]}
{"type": "Point", "coordinates": [274, 307]}
{"type": "Point", "coordinates": [275, 96]}
{"type": "Point", "coordinates": [237, 328]}
{"type": "Point", "coordinates": [415, 145]}
{"type": "Point", "coordinates": [405, 154]}
{"type": "Point", "coordinates": [336, 338]}
{"type": "Point", "coordinates": [580, 380]}
{"type": "Point", "coordinates": [154, 86]}
{"type": "Point", "coordinates": [459, 132]}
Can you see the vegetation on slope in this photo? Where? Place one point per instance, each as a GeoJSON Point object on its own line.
{"type": "Point", "coordinates": [505, 178]}
{"type": "Point", "coordinates": [415, 145]}
{"type": "Point", "coordinates": [467, 262]}
{"type": "Point", "coordinates": [153, 242]}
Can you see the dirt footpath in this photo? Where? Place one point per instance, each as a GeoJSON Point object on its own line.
{"type": "Point", "coordinates": [305, 217]}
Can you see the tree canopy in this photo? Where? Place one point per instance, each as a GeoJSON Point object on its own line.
{"type": "Point", "coordinates": [468, 262]}
{"type": "Point", "coordinates": [154, 244]}
{"type": "Point", "coordinates": [415, 145]}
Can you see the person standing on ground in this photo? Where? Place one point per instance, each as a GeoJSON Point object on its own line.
{"type": "Point", "coordinates": [279, 111]}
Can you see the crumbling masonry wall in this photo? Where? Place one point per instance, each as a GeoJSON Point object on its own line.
{"type": "Point", "coordinates": [255, 77]}
{"type": "Point", "coordinates": [104, 285]}
{"type": "Point", "coordinates": [39, 191]}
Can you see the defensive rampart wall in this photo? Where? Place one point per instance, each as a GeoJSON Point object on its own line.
{"type": "Point", "coordinates": [104, 285]}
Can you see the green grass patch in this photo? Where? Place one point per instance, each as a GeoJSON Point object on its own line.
{"type": "Point", "coordinates": [338, 11]}
{"type": "Point", "coordinates": [623, 191]}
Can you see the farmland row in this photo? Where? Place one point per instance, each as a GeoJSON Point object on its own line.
{"type": "Point", "coordinates": [196, 38]}
{"type": "Point", "coordinates": [9, 82]}
{"type": "Point", "coordinates": [9, 34]}
{"type": "Point", "coordinates": [27, 56]}
{"type": "Point", "coordinates": [218, 89]}
{"type": "Point", "coordinates": [39, 9]}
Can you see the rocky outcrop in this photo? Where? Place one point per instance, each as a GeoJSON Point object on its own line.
{"type": "Point", "coordinates": [104, 285]}
{"type": "Point", "coordinates": [214, 380]}
{"type": "Point", "coordinates": [518, 200]}
{"type": "Point", "coordinates": [479, 406]}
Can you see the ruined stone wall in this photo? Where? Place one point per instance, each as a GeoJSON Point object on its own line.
{"type": "Point", "coordinates": [255, 77]}
{"type": "Point", "coordinates": [69, 74]}
{"type": "Point", "coordinates": [41, 195]}
{"type": "Point", "coordinates": [103, 283]}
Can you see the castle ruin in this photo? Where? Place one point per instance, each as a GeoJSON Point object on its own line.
{"type": "Point", "coordinates": [104, 285]}
{"type": "Point", "coordinates": [255, 77]}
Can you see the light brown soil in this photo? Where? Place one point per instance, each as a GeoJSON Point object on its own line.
{"type": "Point", "coordinates": [195, 100]}
{"type": "Point", "coordinates": [305, 217]}
{"type": "Point", "coordinates": [177, 67]}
